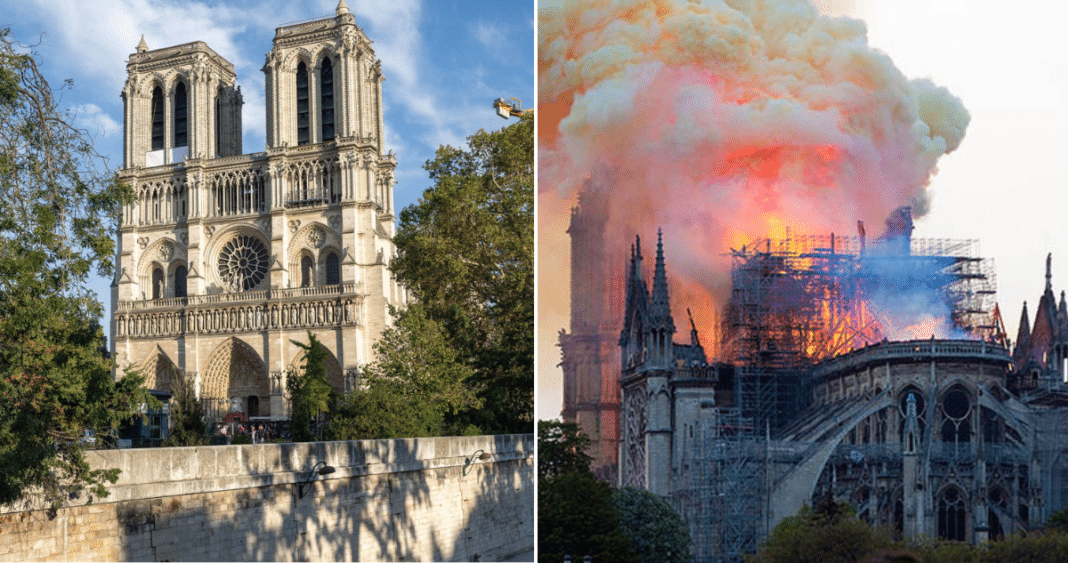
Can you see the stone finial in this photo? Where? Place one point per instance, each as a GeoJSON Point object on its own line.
{"type": "Point", "coordinates": [142, 47]}
{"type": "Point", "coordinates": [342, 8]}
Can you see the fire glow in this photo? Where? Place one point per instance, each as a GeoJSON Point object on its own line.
{"type": "Point", "coordinates": [722, 122]}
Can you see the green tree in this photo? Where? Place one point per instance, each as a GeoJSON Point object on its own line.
{"type": "Point", "coordinates": [830, 533]}
{"type": "Point", "coordinates": [1059, 520]}
{"type": "Point", "coordinates": [575, 512]}
{"type": "Point", "coordinates": [416, 382]}
{"type": "Point", "coordinates": [466, 254]}
{"type": "Point", "coordinates": [309, 393]}
{"type": "Point", "coordinates": [58, 214]}
{"type": "Point", "coordinates": [561, 449]}
{"type": "Point", "coordinates": [576, 518]}
{"type": "Point", "coordinates": [186, 416]}
{"type": "Point", "coordinates": [656, 530]}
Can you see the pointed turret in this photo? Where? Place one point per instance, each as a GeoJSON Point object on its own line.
{"type": "Point", "coordinates": [633, 337]}
{"type": "Point", "coordinates": [342, 8]}
{"type": "Point", "coordinates": [142, 47]}
{"type": "Point", "coordinates": [1023, 338]}
{"type": "Point", "coordinates": [660, 310]}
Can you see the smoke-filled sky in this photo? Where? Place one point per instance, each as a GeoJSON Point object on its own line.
{"type": "Point", "coordinates": [724, 121]}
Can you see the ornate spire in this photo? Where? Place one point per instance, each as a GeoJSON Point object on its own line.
{"type": "Point", "coordinates": [1049, 272]}
{"type": "Point", "coordinates": [661, 307]}
{"type": "Point", "coordinates": [342, 8]}
{"type": "Point", "coordinates": [142, 46]}
{"type": "Point", "coordinates": [637, 256]}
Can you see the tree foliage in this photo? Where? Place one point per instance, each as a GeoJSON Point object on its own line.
{"type": "Point", "coordinates": [417, 382]}
{"type": "Point", "coordinates": [309, 393]}
{"type": "Point", "coordinates": [561, 449]}
{"type": "Point", "coordinates": [576, 516]}
{"type": "Point", "coordinates": [656, 530]}
{"type": "Point", "coordinates": [830, 533]}
{"type": "Point", "coordinates": [466, 254]}
{"type": "Point", "coordinates": [58, 213]}
{"type": "Point", "coordinates": [186, 416]}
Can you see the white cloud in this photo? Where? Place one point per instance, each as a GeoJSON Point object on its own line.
{"type": "Point", "coordinates": [489, 35]}
{"type": "Point", "coordinates": [93, 119]}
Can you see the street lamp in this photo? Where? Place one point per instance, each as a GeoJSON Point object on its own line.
{"type": "Point", "coordinates": [474, 457]}
{"type": "Point", "coordinates": [307, 482]}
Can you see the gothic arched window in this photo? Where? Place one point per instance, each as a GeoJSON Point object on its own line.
{"type": "Point", "coordinates": [951, 515]}
{"type": "Point", "coordinates": [326, 90]}
{"type": "Point", "coordinates": [179, 281]}
{"type": "Point", "coordinates": [306, 271]}
{"type": "Point", "coordinates": [157, 119]}
{"type": "Point", "coordinates": [956, 408]}
{"type": "Point", "coordinates": [181, 116]}
{"type": "Point", "coordinates": [333, 271]}
{"type": "Point", "coordinates": [302, 104]}
{"type": "Point", "coordinates": [157, 283]}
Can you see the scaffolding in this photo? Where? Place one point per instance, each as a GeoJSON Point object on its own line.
{"type": "Point", "coordinates": [797, 301]}
{"type": "Point", "coordinates": [725, 499]}
{"type": "Point", "coordinates": [803, 299]}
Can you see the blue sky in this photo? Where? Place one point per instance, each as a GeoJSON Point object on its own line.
{"type": "Point", "coordinates": [445, 61]}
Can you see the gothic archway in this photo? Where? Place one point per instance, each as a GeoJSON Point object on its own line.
{"type": "Point", "coordinates": [234, 373]}
{"type": "Point", "coordinates": [159, 371]}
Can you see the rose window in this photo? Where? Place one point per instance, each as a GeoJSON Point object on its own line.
{"type": "Point", "coordinates": [243, 263]}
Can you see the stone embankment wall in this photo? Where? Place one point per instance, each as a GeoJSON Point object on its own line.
{"type": "Point", "coordinates": [425, 499]}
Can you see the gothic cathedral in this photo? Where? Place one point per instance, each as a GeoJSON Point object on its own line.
{"type": "Point", "coordinates": [226, 258]}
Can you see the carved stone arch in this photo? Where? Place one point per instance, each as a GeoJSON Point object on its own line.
{"type": "Point", "coordinates": [170, 79]}
{"type": "Point", "coordinates": [174, 78]}
{"type": "Point", "coordinates": [323, 51]}
{"type": "Point", "coordinates": [334, 375]}
{"type": "Point", "coordinates": [235, 370]}
{"type": "Point", "coordinates": [294, 58]}
{"type": "Point", "coordinates": [151, 82]}
{"type": "Point", "coordinates": [159, 371]}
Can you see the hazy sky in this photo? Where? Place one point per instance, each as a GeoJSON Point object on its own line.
{"type": "Point", "coordinates": [1004, 185]}
{"type": "Point", "coordinates": [444, 62]}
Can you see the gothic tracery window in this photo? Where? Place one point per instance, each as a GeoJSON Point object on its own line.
{"type": "Point", "coordinates": [956, 424]}
{"type": "Point", "coordinates": [951, 515]}
{"type": "Point", "coordinates": [243, 263]}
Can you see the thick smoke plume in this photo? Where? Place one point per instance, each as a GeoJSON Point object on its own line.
{"type": "Point", "coordinates": [724, 121]}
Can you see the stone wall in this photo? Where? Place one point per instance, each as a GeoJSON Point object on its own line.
{"type": "Point", "coordinates": [426, 499]}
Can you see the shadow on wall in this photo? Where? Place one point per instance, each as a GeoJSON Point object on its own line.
{"type": "Point", "coordinates": [428, 499]}
{"type": "Point", "coordinates": [429, 506]}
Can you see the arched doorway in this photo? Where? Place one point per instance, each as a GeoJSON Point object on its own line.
{"type": "Point", "coordinates": [235, 373]}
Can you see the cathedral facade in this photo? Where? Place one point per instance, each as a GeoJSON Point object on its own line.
{"type": "Point", "coordinates": [225, 258]}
